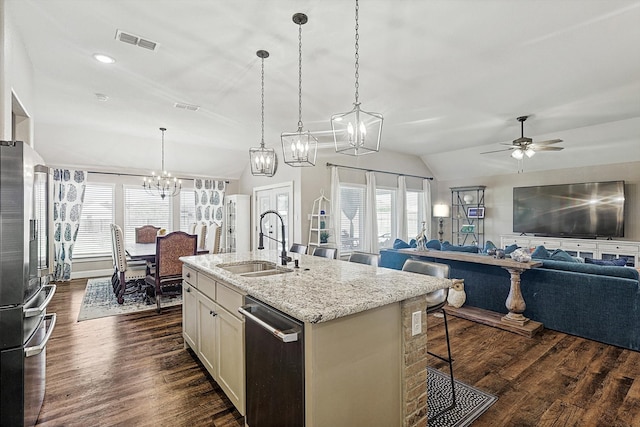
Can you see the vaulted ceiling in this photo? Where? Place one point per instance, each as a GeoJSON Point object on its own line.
{"type": "Point", "coordinates": [450, 77]}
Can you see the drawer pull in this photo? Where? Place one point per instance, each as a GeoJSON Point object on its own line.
{"type": "Point", "coordinates": [213, 313]}
{"type": "Point", "coordinates": [188, 274]}
{"type": "Point", "coordinates": [188, 289]}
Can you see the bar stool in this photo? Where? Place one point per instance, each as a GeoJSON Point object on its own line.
{"type": "Point", "coordinates": [435, 302]}
{"type": "Point", "coordinates": [325, 252]}
{"type": "Point", "coordinates": [364, 258]}
{"type": "Point", "coordinates": [298, 248]}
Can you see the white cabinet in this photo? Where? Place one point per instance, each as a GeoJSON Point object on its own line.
{"type": "Point", "coordinates": [598, 249]}
{"type": "Point", "coordinates": [214, 330]}
{"type": "Point", "coordinates": [207, 334]}
{"type": "Point", "coordinates": [237, 223]}
{"type": "Point", "coordinates": [189, 308]}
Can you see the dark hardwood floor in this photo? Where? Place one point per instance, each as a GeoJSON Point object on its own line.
{"type": "Point", "coordinates": [132, 370]}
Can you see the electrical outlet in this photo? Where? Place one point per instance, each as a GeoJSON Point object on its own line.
{"type": "Point", "coordinates": [416, 323]}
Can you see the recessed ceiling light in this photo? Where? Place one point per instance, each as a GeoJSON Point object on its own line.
{"type": "Point", "coordinates": [103, 58]}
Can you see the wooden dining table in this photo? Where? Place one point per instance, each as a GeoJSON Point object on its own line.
{"type": "Point", "coordinates": [147, 251]}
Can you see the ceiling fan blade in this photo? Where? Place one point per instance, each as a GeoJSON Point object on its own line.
{"type": "Point", "coordinates": [547, 148]}
{"type": "Point", "coordinates": [497, 151]}
{"type": "Point", "coordinates": [549, 142]}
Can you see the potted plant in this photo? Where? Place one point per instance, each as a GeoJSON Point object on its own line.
{"type": "Point", "coordinates": [324, 236]}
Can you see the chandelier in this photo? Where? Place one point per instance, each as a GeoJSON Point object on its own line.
{"type": "Point", "coordinates": [164, 184]}
{"type": "Point", "coordinates": [264, 161]}
{"type": "Point", "coordinates": [357, 132]}
{"type": "Point", "coordinates": [299, 147]}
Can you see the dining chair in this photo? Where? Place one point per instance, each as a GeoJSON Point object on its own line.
{"type": "Point", "coordinates": [128, 273]}
{"type": "Point", "coordinates": [364, 258]}
{"type": "Point", "coordinates": [146, 234]}
{"type": "Point", "coordinates": [167, 279]}
{"type": "Point", "coordinates": [200, 231]}
{"type": "Point", "coordinates": [192, 228]}
{"type": "Point", "coordinates": [213, 238]}
{"type": "Point", "coordinates": [298, 248]}
{"type": "Point", "coordinates": [325, 252]}
{"type": "Point", "coordinates": [436, 301]}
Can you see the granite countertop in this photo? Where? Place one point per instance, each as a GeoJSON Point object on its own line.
{"type": "Point", "coordinates": [321, 289]}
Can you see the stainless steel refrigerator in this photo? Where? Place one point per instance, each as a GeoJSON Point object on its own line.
{"type": "Point", "coordinates": [25, 270]}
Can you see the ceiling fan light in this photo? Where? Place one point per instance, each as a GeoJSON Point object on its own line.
{"type": "Point", "coordinates": [529, 152]}
{"type": "Point", "coordinates": [517, 154]}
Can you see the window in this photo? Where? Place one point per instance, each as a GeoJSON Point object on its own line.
{"type": "Point", "coordinates": [94, 234]}
{"type": "Point", "coordinates": [351, 217]}
{"type": "Point", "coordinates": [187, 209]}
{"type": "Point", "coordinates": [414, 213]}
{"type": "Point", "coordinates": [386, 216]}
{"type": "Point", "coordinates": [142, 208]}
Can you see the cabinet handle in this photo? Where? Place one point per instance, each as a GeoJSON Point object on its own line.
{"type": "Point", "coordinates": [188, 289]}
{"type": "Point", "coordinates": [188, 274]}
{"type": "Point", "coordinates": [213, 313]}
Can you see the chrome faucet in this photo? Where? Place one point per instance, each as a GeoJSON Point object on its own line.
{"type": "Point", "coordinates": [283, 255]}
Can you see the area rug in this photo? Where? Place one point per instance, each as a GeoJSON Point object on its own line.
{"type": "Point", "coordinates": [470, 401]}
{"type": "Point", "coordinates": [100, 301]}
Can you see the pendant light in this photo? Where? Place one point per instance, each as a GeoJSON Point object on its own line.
{"type": "Point", "coordinates": [357, 132]}
{"type": "Point", "coordinates": [299, 147]}
{"type": "Point", "coordinates": [264, 161]}
{"type": "Point", "coordinates": [164, 184]}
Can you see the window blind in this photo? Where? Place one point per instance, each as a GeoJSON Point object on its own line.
{"type": "Point", "coordinates": [414, 213]}
{"type": "Point", "coordinates": [187, 209]}
{"type": "Point", "coordinates": [386, 213]}
{"type": "Point", "coordinates": [351, 217]}
{"type": "Point", "coordinates": [94, 233]}
{"type": "Point", "coordinates": [142, 208]}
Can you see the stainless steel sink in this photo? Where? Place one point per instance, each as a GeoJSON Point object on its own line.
{"type": "Point", "coordinates": [267, 272]}
{"type": "Point", "coordinates": [254, 268]}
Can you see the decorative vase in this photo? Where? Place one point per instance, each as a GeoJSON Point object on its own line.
{"type": "Point", "coordinates": [421, 238]}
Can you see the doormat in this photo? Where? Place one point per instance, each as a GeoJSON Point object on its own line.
{"type": "Point", "coordinates": [470, 401]}
{"type": "Point", "coordinates": [100, 301]}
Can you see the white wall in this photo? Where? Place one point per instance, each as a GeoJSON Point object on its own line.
{"type": "Point", "coordinates": [499, 194]}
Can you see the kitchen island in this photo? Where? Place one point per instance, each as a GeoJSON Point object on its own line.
{"type": "Point", "coordinates": [362, 364]}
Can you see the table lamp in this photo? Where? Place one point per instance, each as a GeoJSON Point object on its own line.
{"type": "Point", "coordinates": [441, 212]}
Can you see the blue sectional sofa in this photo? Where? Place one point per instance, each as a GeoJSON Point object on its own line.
{"type": "Point", "coordinates": [601, 303]}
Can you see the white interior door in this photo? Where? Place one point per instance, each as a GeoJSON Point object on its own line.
{"type": "Point", "coordinates": [279, 198]}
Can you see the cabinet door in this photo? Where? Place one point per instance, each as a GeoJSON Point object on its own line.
{"type": "Point", "coordinates": [231, 358]}
{"type": "Point", "coordinates": [189, 315]}
{"type": "Point", "coordinates": [207, 319]}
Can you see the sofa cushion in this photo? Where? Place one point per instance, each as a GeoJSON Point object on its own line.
{"type": "Point", "coordinates": [449, 247]}
{"type": "Point", "coordinates": [541, 253]}
{"type": "Point", "coordinates": [400, 244]}
{"type": "Point", "coordinates": [602, 270]}
{"type": "Point", "coordinates": [434, 244]}
{"type": "Point", "coordinates": [620, 262]}
{"type": "Point", "coordinates": [560, 255]}
{"type": "Point", "coordinates": [413, 243]}
{"type": "Point", "coordinates": [489, 246]}
{"type": "Point", "coordinates": [510, 249]}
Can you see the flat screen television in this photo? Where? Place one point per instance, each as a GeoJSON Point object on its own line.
{"type": "Point", "coordinates": [590, 209]}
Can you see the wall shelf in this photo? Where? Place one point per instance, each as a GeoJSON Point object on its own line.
{"type": "Point", "coordinates": [467, 215]}
{"type": "Point", "coordinates": [319, 222]}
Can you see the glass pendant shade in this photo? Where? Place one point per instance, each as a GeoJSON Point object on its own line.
{"type": "Point", "coordinates": [517, 154]}
{"type": "Point", "coordinates": [357, 132]}
{"type": "Point", "coordinates": [264, 161]}
{"type": "Point", "coordinates": [300, 147]}
{"type": "Point", "coordinates": [164, 184]}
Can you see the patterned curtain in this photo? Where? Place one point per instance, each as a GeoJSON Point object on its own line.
{"type": "Point", "coordinates": [68, 196]}
{"type": "Point", "coordinates": [209, 196]}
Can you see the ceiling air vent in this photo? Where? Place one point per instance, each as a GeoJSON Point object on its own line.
{"type": "Point", "coordinates": [189, 107]}
{"type": "Point", "coordinates": [136, 40]}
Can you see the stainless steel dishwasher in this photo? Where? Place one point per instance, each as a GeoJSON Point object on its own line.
{"type": "Point", "coordinates": [274, 357]}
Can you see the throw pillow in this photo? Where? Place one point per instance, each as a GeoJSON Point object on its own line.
{"type": "Point", "coordinates": [560, 255]}
{"type": "Point", "coordinates": [434, 244]}
{"type": "Point", "coordinates": [400, 244]}
{"type": "Point", "coordinates": [510, 249]}
{"type": "Point", "coordinates": [540, 253]}
{"type": "Point", "coordinates": [471, 249]}
{"type": "Point", "coordinates": [620, 262]}
{"type": "Point", "coordinates": [489, 246]}
{"type": "Point", "coordinates": [413, 243]}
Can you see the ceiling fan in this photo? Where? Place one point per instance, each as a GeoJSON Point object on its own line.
{"type": "Point", "coordinates": [525, 146]}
